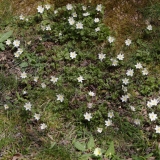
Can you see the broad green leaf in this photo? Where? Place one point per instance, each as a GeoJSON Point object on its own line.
{"type": "Point", "coordinates": [85, 157]}
{"type": "Point", "coordinates": [23, 64]}
{"type": "Point", "coordinates": [5, 36]}
{"type": "Point", "coordinates": [90, 143]}
{"type": "Point", "coordinates": [149, 155]}
{"type": "Point", "coordinates": [2, 46]}
{"type": "Point", "coordinates": [111, 150]}
{"type": "Point", "coordinates": [80, 146]}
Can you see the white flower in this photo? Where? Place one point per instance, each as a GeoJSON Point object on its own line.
{"type": "Point", "coordinates": [149, 104]}
{"type": "Point", "coordinates": [43, 85]}
{"type": "Point", "coordinates": [80, 79]}
{"type": "Point", "coordinates": [157, 129]}
{"type": "Point", "coordinates": [47, 6]}
{"type": "Point", "coordinates": [145, 71]}
{"type": "Point", "coordinates": [97, 29]}
{"type": "Point", "coordinates": [138, 66]}
{"type": "Point", "coordinates": [99, 7]}
{"type": "Point", "coordinates": [8, 42]}
{"type": "Point", "coordinates": [71, 20]}
{"type": "Point", "coordinates": [152, 116]}
{"type": "Point", "coordinates": [43, 126]}
{"type": "Point", "coordinates": [91, 93]}
{"type": "Point", "coordinates": [28, 106]}
{"type": "Point", "coordinates": [120, 57]}
{"type": "Point", "coordinates": [89, 105]}
{"type": "Point", "coordinates": [48, 28]}
{"type": "Point", "coordinates": [96, 20]}
{"type": "Point", "coordinates": [87, 116]}
{"type": "Point", "coordinates": [114, 62]}
{"type": "Point", "coordinates": [79, 25]}
{"type": "Point", "coordinates": [43, 28]}
{"type": "Point", "coordinates": [36, 78]}
{"type": "Point", "coordinates": [132, 108]}
{"type": "Point", "coordinates": [97, 152]}
{"type": "Point", "coordinates": [130, 72]}
{"type": "Point", "coordinates": [101, 56]}
{"type": "Point", "coordinates": [37, 116]}
{"type": "Point", "coordinates": [74, 14]}
{"type": "Point", "coordinates": [137, 121]}
{"type": "Point", "coordinates": [21, 17]}
{"type": "Point", "coordinates": [125, 81]}
{"type": "Point", "coordinates": [20, 50]}
{"type": "Point", "coordinates": [40, 9]}
{"type": "Point", "coordinates": [124, 98]}
{"type": "Point", "coordinates": [99, 130]}
{"type": "Point", "coordinates": [128, 42]}
{"type": "Point", "coordinates": [55, 12]}
{"type": "Point", "coordinates": [84, 8]}
{"type": "Point", "coordinates": [60, 33]}
{"type": "Point", "coordinates": [23, 75]}
{"type": "Point", "coordinates": [73, 55]}
{"type": "Point", "coordinates": [69, 7]}
{"type": "Point", "coordinates": [29, 42]}
{"type": "Point", "coordinates": [86, 14]}
{"type": "Point", "coordinates": [16, 43]}
{"type": "Point", "coordinates": [154, 102]}
{"type": "Point", "coordinates": [16, 54]}
{"type": "Point", "coordinates": [149, 27]}
{"type": "Point", "coordinates": [24, 92]}
{"type": "Point", "coordinates": [60, 97]}
{"type": "Point", "coordinates": [111, 39]}
{"type": "Point", "coordinates": [110, 114]}
{"type": "Point", "coordinates": [124, 88]}
{"type": "Point", "coordinates": [26, 19]}
{"type": "Point", "coordinates": [108, 122]}
{"type": "Point", "coordinates": [54, 79]}
{"type": "Point", "coordinates": [6, 106]}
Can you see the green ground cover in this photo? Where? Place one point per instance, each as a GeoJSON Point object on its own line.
{"type": "Point", "coordinates": [71, 88]}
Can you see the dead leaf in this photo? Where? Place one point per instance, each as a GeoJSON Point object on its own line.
{"type": "Point", "coordinates": [16, 156]}
{"type": "Point", "coordinates": [151, 158]}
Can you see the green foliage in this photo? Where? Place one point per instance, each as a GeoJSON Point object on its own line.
{"type": "Point", "coordinates": [111, 151]}
{"type": "Point", "coordinates": [3, 38]}
{"type": "Point", "coordinates": [90, 144]}
{"type": "Point", "coordinates": [48, 40]}
{"type": "Point", "coordinates": [7, 82]}
{"type": "Point", "coordinates": [80, 146]}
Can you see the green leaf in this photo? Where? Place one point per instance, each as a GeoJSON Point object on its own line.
{"type": "Point", "coordinates": [90, 143]}
{"type": "Point", "coordinates": [85, 157]}
{"type": "Point", "coordinates": [5, 36]}
{"type": "Point", "coordinates": [23, 64]}
{"type": "Point", "coordinates": [79, 146]}
{"type": "Point", "coordinates": [2, 46]}
{"type": "Point", "coordinates": [52, 145]}
{"type": "Point", "coordinates": [111, 150]}
{"type": "Point", "coordinates": [149, 155]}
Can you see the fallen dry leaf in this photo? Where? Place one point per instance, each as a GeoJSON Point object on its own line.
{"type": "Point", "coordinates": [151, 158]}
{"type": "Point", "coordinates": [16, 156]}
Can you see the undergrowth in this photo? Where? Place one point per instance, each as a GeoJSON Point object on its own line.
{"type": "Point", "coordinates": [67, 93]}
